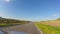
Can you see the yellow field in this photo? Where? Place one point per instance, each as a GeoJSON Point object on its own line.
{"type": "Point", "coordinates": [52, 22]}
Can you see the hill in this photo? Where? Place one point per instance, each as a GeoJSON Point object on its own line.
{"type": "Point", "coordinates": [10, 22]}
{"type": "Point", "coordinates": [49, 27]}
{"type": "Point", "coordinates": [51, 22]}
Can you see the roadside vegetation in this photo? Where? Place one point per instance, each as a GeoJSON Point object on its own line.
{"type": "Point", "coordinates": [46, 29]}
{"type": "Point", "coordinates": [49, 26]}
{"type": "Point", "coordinates": [10, 22]}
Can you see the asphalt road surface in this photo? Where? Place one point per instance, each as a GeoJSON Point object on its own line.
{"type": "Point", "coordinates": [29, 28]}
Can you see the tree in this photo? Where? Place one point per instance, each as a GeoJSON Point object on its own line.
{"type": "Point", "coordinates": [58, 19]}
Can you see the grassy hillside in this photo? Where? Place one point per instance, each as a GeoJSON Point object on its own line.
{"type": "Point", "coordinates": [11, 22]}
{"type": "Point", "coordinates": [46, 29]}
{"type": "Point", "coordinates": [51, 22]}
{"type": "Point", "coordinates": [49, 27]}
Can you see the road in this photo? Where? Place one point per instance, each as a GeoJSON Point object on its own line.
{"type": "Point", "coordinates": [29, 28]}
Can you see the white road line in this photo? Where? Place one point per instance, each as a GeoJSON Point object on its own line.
{"type": "Point", "coordinates": [38, 28]}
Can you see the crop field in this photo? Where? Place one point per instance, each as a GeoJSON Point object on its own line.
{"type": "Point", "coordinates": [47, 29]}
{"type": "Point", "coordinates": [51, 22]}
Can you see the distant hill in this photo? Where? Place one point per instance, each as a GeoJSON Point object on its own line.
{"type": "Point", "coordinates": [9, 22]}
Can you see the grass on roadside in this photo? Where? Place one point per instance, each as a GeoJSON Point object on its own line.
{"type": "Point", "coordinates": [11, 24]}
{"type": "Point", "coordinates": [46, 29]}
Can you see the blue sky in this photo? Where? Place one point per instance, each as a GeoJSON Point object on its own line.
{"type": "Point", "coordinates": [33, 10]}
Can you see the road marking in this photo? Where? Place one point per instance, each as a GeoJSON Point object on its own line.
{"type": "Point", "coordinates": [38, 28]}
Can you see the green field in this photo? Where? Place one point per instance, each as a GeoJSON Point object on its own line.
{"type": "Point", "coordinates": [5, 25]}
{"type": "Point", "coordinates": [46, 29]}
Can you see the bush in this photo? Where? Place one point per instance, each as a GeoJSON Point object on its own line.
{"type": "Point", "coordinates": [58, 19]}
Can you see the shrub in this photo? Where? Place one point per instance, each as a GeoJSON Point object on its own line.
{"type": "Point", "coordinates": [58, 19]}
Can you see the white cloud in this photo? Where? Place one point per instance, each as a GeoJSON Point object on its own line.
{"type": "Point", "coordinates": [7, 1]}
{"type": "Point", "coordinates": [55, 15]}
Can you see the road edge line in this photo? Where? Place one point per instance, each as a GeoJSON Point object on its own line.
{"type": "Point", "coordinates": [38, 28]}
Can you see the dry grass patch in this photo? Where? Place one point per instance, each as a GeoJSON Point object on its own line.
{"type": "Point", "coordinates": [52, 23]}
